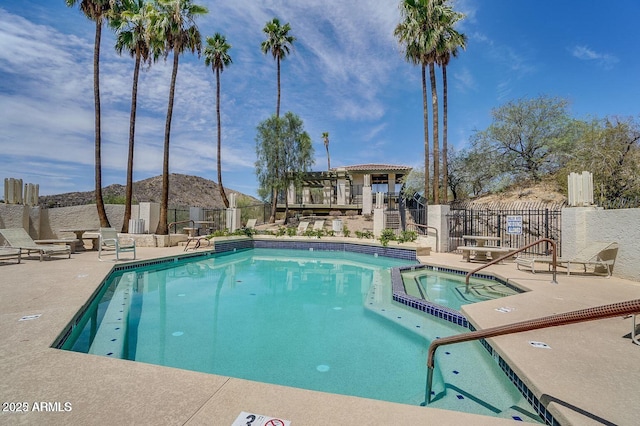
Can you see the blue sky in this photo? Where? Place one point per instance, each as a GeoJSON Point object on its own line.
{"type": "Point", "coordinates": [346, 75]}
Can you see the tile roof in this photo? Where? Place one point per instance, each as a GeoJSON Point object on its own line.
{"type": "Point", "coordinates": [376, 168]}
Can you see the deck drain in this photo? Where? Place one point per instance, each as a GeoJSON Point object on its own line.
{"type": "Point", "coordinates": [30, 317]}
{"type": "Point", "coordinates": [505, 309]}
{"type": "Point", "coordinates": [540, 345]}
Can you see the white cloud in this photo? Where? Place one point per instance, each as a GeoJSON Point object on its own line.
{"type": "Point", "coordinates": [587, 54]}
{"type": "Point", "coordinates": [464, 80]}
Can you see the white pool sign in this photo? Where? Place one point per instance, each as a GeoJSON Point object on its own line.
{"type": "Point", "coordinates": [514, 225]}
{"type": "Point", "coordinates": [252, 419]}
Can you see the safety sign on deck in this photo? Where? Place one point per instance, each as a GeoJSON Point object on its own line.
{"type": "Point", "coordinates": [251, 419]}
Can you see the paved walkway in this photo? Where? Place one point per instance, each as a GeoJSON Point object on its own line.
{"type": "Point", "coordinates": [590, 375]}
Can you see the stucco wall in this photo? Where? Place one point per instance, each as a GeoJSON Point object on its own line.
{"type": "Point", "coordinates": [582, 225]}
{"type": "Point", "coordinates": [46, 223]}
{"type": "Point", "coordinates": [622, 226]}
{"type": "Point", "coordinates": [52, 220]}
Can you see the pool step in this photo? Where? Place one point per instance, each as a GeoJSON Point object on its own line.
{"type": "Point", "coordinates": [111, 335]}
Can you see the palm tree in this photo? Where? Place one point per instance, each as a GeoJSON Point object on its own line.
{"type": "Point", "coordinates": [437, 18]}
{"type": "Point", "coordinates": [131, 19]}
{"type": "Point", "coordinates": [216, 54]}
{"type": "Point", "coordinates": [96, 11]}
{"type": "Point", "coordinates": [413, 33]}
{"type": "Point", "coordinates": [427, 26]}
{"type": "Point", "coordinates": [325, 138]}
{"type": "Point", "coordinates": [174, 22]}
{"type": "Point", "coordinates": [279, 43]}
{"type": "Point", "coordinates": [447, 49]}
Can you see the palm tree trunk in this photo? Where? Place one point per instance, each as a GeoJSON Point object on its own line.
{"type": "Point", "coordinates": [132, 132]}
{"type": "Point", "coordinates": [425, 111]}
{"type": "Point", "coordinates": [328, 158]}
{"type": "Point", "coordinates": [436, 138]}
{"type": "Point", "coordinates": [221, 188]}
{"type": "Point", "coordinates": [102, 214]}
{"type": "Point", "coordinates": [164, 203]}
{"type": "Point", "coordinates": [278, 101]}
{"type": "Point", "coordinates": [445, 147]}
{"type": "Point", "coordinates": [274, 191]}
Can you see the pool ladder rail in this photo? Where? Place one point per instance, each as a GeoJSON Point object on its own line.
{"type": "Point", "coordinates": [630, 307]}
{"type": "Point", "coordinates": [554, 260]}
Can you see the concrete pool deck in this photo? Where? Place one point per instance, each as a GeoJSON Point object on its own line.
{"type": "Point", "coordinates": [590, 375]}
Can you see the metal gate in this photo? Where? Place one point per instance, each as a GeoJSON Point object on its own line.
{"type": "Point", "coordinates": [517, 224]}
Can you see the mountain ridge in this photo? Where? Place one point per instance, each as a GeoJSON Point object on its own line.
{"type": "Point", "coordinates": [184, 191]}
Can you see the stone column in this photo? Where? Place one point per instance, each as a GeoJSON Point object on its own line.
{"type": "Point", "coordinates": [291, 194]}
{"type": "Point", "coordinates": [233, 214]}
{"type": "Point", "coordinates": [437, 239]}
{"type": "Point", "coordinates": [378, 215]}
{"type": "Point", "coordinates": [367, 196]}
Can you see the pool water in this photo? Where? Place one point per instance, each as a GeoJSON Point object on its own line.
{"type": "Point", "coordinates": [449, 290]}
{"type": "Point", "coordinates": [314, 320]}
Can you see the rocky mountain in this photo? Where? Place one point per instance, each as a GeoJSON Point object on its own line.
{"type": "Point", "coordinates": [184, 191]}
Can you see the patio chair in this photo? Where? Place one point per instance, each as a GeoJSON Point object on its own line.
{"type": "Point", "coordinates": [302, 227]}
{"type": "Point", "coordinates": [18, 238]}
{"type": "Point", "coordinates": [251, 223]}
{"type": "Point", "coordinates": [318, 225]}
{"type": "Point", "coordinates": [599, 254]}
{"type": "Point", "coordinates": [109, 239]}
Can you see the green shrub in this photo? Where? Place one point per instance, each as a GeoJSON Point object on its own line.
{"type": "Point", "coordinates": [364, 234]}
{"type": "Point", "coordinates": [314, 233]}
{"type": "Point", "coordinates": [407, 236]}
{"type": "Point", "coordinates": [387, 235]}
{"type": "Point", "coordinates": [345, 231]}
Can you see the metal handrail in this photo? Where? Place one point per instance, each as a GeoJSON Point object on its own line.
{"type": "Point", "coordinates": [554, 259]}
{"type": "Point", "coordinates": [175, 225]}
{"type": "Point", "coordinates": [581, 315]}
{"type": "Point", "coordinates": [430, 227]}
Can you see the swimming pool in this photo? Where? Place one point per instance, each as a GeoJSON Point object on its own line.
{"type": "Point", "coordinates": [315, 320]}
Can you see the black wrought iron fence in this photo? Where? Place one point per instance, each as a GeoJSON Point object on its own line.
{"type": "Point", "coordinates": [179, 215]}
{"type": "Point", "coordinates": [416, 207]}
{"type": "Point", "coordinates": [517, 224]}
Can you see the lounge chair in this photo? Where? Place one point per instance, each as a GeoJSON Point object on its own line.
{"type": "Point", "coordinates": [18, 238]}
{"type": "Point", "coordinates": [10, 253]}
{"type": "Point", "coordinates": [318, 225]}
{"type": "Point", "coordinates": [302, 227]}
{"type": "Point", "coordinates": [600, 254]}
{"type": "Point", "coordinates": [109, 239]}
{"type": "Point", "coordinates": [251, 223]}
